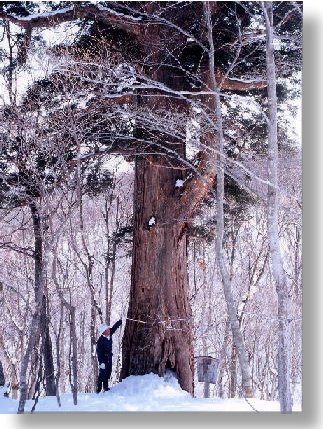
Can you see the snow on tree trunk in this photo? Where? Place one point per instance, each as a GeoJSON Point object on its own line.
{"type": "Point", "coordinates": [158, 330]}
{"type": "Point", "coordinates": [284, 300]}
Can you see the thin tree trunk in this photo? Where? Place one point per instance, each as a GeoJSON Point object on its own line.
{"type": "Point", "coordinates": [284, 301]}
{"type": "Point", "coordinates": [106, 216]}
{"type": "Point", "coordinates": [35, 362]}
{"type": "Point", "coordinates": [93, 339]}
{"type": "Point", "coordinates": [74, 353]}
{"type": "Point", "coordinates": [110, 266]}
{"type": "Point", "coordinates": [34, 331]}
{"type": "Point", "coordinates": [231, 307]}
{"type": "Point", "coordinates": [40, 277]}
{"type": "Point", "coordinates": [206, 385]}
{"type": "Point", "coordinates": [297, 270]}
{"type": "Point", "coordinates": [58, 354]}
{"type": "Point", "coordinates": [50, 385]}
{"type": "Point", "coordinates": [222, 362]}
{"type": "Point", "coordinates": [207, 313]}
{"type": "Point", "coordinates": [88, 266]}
{"type": "Point", "coordinates": [2, 377]}
{"type": "Point", "coordinates": [12, 370]}
{"type": "Point", "coordinates": [233, 373]}
{"type": "Point", "coordinates": [73, 336]}
{"type": "Point", "coordinates": [35, 327]}
{"type": "Point", "coordinates": [11, 66]}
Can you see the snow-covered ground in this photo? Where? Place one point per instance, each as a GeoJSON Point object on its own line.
{"type": "Point", "coordinates": [141, 393]}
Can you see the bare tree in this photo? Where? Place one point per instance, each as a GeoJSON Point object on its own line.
{"type": "Point", "coordinates": [73, 336]}
{"type": "Point", "coordinates": [34, 327]}
{"type": "Point", "coordinates": [231, 307]}
{"type": "Point", "coordinates": [282, 286]}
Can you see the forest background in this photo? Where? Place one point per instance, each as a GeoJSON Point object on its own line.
{"type": "Point", "coordinates": [57, 176]}
{"type": "Point", "coordinates": [313, 127]}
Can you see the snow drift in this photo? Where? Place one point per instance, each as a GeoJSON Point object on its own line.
{"type": "Point", "coordinates": [140, 393]}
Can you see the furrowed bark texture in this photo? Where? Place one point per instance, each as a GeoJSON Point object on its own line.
{"type": "Point", "coordinates": [158, 330]}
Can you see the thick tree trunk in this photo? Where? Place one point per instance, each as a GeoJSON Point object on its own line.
{"type": "Point", "coordinates": [158, 329]}
{"type": "Point", "coordinates": [158, 332]}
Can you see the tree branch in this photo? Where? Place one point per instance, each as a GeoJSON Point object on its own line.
{"type": "Point", "coordinates": [227, 84]}
{"type": "Point", "coordinates": [77, 11]}
{"type": "Point", "coordinates": [196, 189]}
{"type": "Point", "coordinates": [28, 251]}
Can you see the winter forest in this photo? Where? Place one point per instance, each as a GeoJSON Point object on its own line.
{"type": "Point", "coordinates": [150, 171]}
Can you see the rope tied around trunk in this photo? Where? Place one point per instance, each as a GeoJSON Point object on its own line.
{"type": "Point", "coordinates": [168, 323]}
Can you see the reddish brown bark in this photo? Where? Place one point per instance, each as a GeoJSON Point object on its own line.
{"type": "Point", "coordinates": [72, 13]}
{"type": "Point", "coordinates": [158, 330]}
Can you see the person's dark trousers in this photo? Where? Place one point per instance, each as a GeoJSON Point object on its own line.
{"type": "Point", "coordinates": [103, 378]}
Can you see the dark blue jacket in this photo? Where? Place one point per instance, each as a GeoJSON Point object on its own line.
{"type": "Point", "coordinates": [104, 345]}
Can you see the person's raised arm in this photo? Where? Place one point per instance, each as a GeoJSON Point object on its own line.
{"type": "Point", "coordinates": [115, 327]}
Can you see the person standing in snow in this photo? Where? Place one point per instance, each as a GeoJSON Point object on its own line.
{"type": "Point", "coordinates": [104, 354]}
